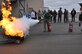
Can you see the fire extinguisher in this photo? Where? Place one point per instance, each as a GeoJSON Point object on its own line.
{"type": "Point", "coordinates": [49, 26]}
{"type": "Point", "coordinates": [71, 26]}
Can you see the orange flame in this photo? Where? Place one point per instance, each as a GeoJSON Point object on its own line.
{"type": "Point", "coordinates": [7, 21]}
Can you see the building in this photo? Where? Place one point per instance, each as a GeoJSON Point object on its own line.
{"type": "Point", "coordinates": [46, 8]}
{"type": "Point", "coordinates": [36, 4]}
{"type": "Point", "coordinates": [21, 7]}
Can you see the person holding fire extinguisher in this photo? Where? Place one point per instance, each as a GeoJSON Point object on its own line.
{"type": "Point", "coordinates": [47, 24]}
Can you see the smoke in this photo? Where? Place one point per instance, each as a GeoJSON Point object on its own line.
{"type": "Point", "coordinates": [24, 24]}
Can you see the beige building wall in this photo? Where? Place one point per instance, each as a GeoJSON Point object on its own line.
{"type": "Point", "coordinates": [15, 10]}
{"type": "Point", "coordinates": [1, 1]}
{"type": "Point", "coordinates": [36, 4]}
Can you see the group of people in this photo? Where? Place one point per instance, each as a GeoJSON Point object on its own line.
{"type": "Point", "coordinates": [32, 14]}
{"type": "Point", "coordinates": [54, 15]}
{"type": "Point", "coordinates": [49, 15]}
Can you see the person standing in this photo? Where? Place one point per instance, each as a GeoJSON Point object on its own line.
{"type": "Point", "coordinates": [47, 17]}
{"type": "Point", "coordinates": [36, 14]}
{"type": "Point", "coordinates": [80, 19]}
{"type": "Point", "coordinates": [33, 14]}
{"type": "Point", "coordinates": [60, 15]}
{"type": "Point", "coordinates": [39, 15]}
{"type": "Point", "coordinates": [54, 16]}
{"type": "Point", "coordinates": [73, 13]}
{"type": "Point", "coordinates": [65, 15]}
{"type": "Point", "coordinates": [51, 13]}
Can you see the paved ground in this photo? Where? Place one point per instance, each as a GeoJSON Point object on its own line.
{"type": "Point", "coordinates": [59, 41]}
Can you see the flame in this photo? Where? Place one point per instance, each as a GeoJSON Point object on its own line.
{"type": "Point", "coordinates": [7, 21]}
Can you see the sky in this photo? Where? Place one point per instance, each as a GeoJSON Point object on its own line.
{"type": "Point", "coordinates": [68, 4]}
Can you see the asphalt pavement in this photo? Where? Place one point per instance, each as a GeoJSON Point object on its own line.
{"type": "Point", "coordinates": [58, 41]}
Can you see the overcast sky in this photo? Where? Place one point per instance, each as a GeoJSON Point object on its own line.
{"type": "Point", "coordinates": [68, 4]}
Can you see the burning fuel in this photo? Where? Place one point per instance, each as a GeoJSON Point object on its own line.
{"type": "Point", "coordinates": [12, 25]}
{"type": "Point", "coordinates": [7, 22]}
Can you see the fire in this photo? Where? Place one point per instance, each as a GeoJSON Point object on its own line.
{"type": "Point", "coordinates": [7, 21]}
